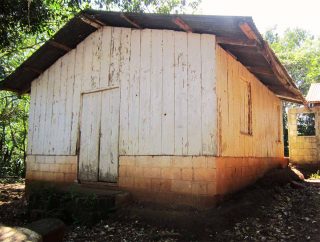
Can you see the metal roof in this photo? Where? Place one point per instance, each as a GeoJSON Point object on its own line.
{"type": "Point", "coordinates": [236, 34]}
{"type": "Point", "coordinates": [313, 95]}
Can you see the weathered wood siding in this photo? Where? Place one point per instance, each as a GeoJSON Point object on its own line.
{"type": "Point", "coordinates": [266, 137]}
{"type": "Point", "coordinates": [167, 90]}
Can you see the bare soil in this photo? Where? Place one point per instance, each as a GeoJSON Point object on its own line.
{"type": "Point", "coordinates": [274, 209]}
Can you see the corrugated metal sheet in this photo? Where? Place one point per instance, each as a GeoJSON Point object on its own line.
{"type": "Point", "coordinates": [313, 95]}
{"type": "Point", "coordinates": [257, 56]}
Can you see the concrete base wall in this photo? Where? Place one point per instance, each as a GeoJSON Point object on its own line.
{"type": "Point", "coordinates": [235, 173]}
{"type": "Point", "coordinates": [197, 181]}
{"type": "Point", "coordinates": [183, 180]}
{"type": "Point", "coordinates": [51, 168]}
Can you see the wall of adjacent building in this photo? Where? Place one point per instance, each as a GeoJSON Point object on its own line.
{"type": "Point", "coordinates": [303, 149]}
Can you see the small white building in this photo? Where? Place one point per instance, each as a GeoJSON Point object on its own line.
{"type": "Point", "coordinates": [173, 108]}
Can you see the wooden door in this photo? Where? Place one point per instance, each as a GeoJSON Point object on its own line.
{"type": "Point", "coordinates": [99, 129]}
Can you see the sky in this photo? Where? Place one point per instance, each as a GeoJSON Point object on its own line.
{"type": "Point", "coordinates": [267, 14]}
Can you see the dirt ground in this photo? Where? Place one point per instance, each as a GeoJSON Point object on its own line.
{"type": "Point", "coordinates": [264, 212]}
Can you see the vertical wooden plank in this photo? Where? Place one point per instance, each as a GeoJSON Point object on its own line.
{"type": "Point", "coordinates": [218, 93]}
{"type": "Point", "coordinates": [224, 101]}
{"type": "Point", "coordinates": [208, 93]}
{"type": "Point", "coordinates": [32, 111]}
{"type": "Point", "coordinates": [105, 56]}
{"type": "Point", "coordinates": [114, 70]}
{"type": "Point", "coordinates": [194, 95]}
{"type": "Point", "coordinates": [42, 121]}
{"type": "Point", "coordinates": [181, 95]}
{"type": "Point", "coordinates": [124, 90]}
{"type": "Point", "coordinates": [259, 132]}
{"type": "Point", "coordinates": [249, 119]}
{"type": "Point", "coordinates": [281, 144]}
{"type": "Point", "coordinates": [145, 71]}
{"type": "Point", "coordinates": [230, 108]}
{"type": "Point", "coordinates": [55, 109]}
{"type": "Point", "coordinates": [69, 100]}
{"type": "Point", "coordinates": [96, 59]}
{"type": "Point", "coordinates": [36, 127]}
{"type": "Point", "coordinates": [87, 63]}
{"type": "Point", "coordinates": [62, 140]}
{"type": "Point", "coordinates": [49, 104]}
{"type": "Point", "coordinates": [167, 121]}
{"type": "Point", "coordinates": [155, 93]}
{"type": "Point", "coordinates": [134, 94]}
{"type": "Point", "coordinates": [90, 135]}
{"type": "Point", "coordinates": [78, 76]}
{"type": "Point", "coordinates": [237, 105]}
{"type": "Point", "coordinates": [109, 140]}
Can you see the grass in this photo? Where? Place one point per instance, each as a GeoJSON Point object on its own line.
{"type": "Point", "coordinates": [315, 175]}
{"type": "Point", "coordinates": [10, 180]}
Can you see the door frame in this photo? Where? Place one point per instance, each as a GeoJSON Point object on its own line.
{"type": "Point", "coordinates": [79, 134]}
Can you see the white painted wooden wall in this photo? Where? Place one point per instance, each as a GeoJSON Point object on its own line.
{"type": "Point", "coordinates": [167, 86]}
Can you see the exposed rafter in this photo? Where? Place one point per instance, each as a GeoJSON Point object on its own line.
{"type": "Point", "coordinates": [182, 25]}
{"type": "Point", "coordinates": [260, 70]}
{"type": "Point", "coordinates": [32, 69]}
{"type": "Point", "coordinates": [59, 46]}
{"type": "Point", "coordinates": [289, 99]}
{"type": "Point", "coordinates": [246, 29]}
{"type": "Point", "coordinates": [93, 22]}
{"type": "Point", "coordinates": [130, 21]}
{"type": "Point", "coordinates": [236, 42]}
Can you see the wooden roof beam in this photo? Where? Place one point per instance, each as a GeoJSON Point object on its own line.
{"type": "Point", "coordinates": [32, 69]}
{"type": "Point", "coordinates": [290, 99]}
{"type": "Point", "coordinates": [246, 29]}
{"type": "Point", "coordinates": [182, 25]}
{"type": "Point", "coordinates": [90, 21]}
{"type": "Point", "coordinates": [59, 46]}
{"type": "Point", "coordinates": [236, 42]}
{"type": "Point", "coordinates": [260, 70]}
{"type": "Point", "coordinates": [130, 21]}
{"type": "Point", "coordinates": [281, 73]}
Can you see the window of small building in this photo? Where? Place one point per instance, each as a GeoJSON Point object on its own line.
{"type": "Point", "coordinates": [245, 108]}
{"type": "Point", "coordinates": [306, 124]}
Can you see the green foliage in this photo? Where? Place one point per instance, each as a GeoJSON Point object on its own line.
{"type": "Point", "coordinates": [13, 133]}
{"type": "Point", "coordinates": [306, 124]}
{"type": "Point", "coordinates": [285, 131]}
{"type": "Point", "coordinates": [315, 175]}
{"type": "Point", "coordinates": [299, 51]}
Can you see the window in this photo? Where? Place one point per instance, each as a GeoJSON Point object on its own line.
{"type": "Point", "coordinates": [306, 124]}
{"type": "Point", "coordinates": [245, 108]}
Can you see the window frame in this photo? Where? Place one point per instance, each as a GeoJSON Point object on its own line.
{"type": "Point", "coordinates": [246, 108]}
{"type": "Point", "coordinates": [314, 125]}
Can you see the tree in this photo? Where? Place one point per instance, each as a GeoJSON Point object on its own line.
{"type": "Point", "coordinates": [299, 51]}
{"type": "Point", "coordinates": [13, 133]}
